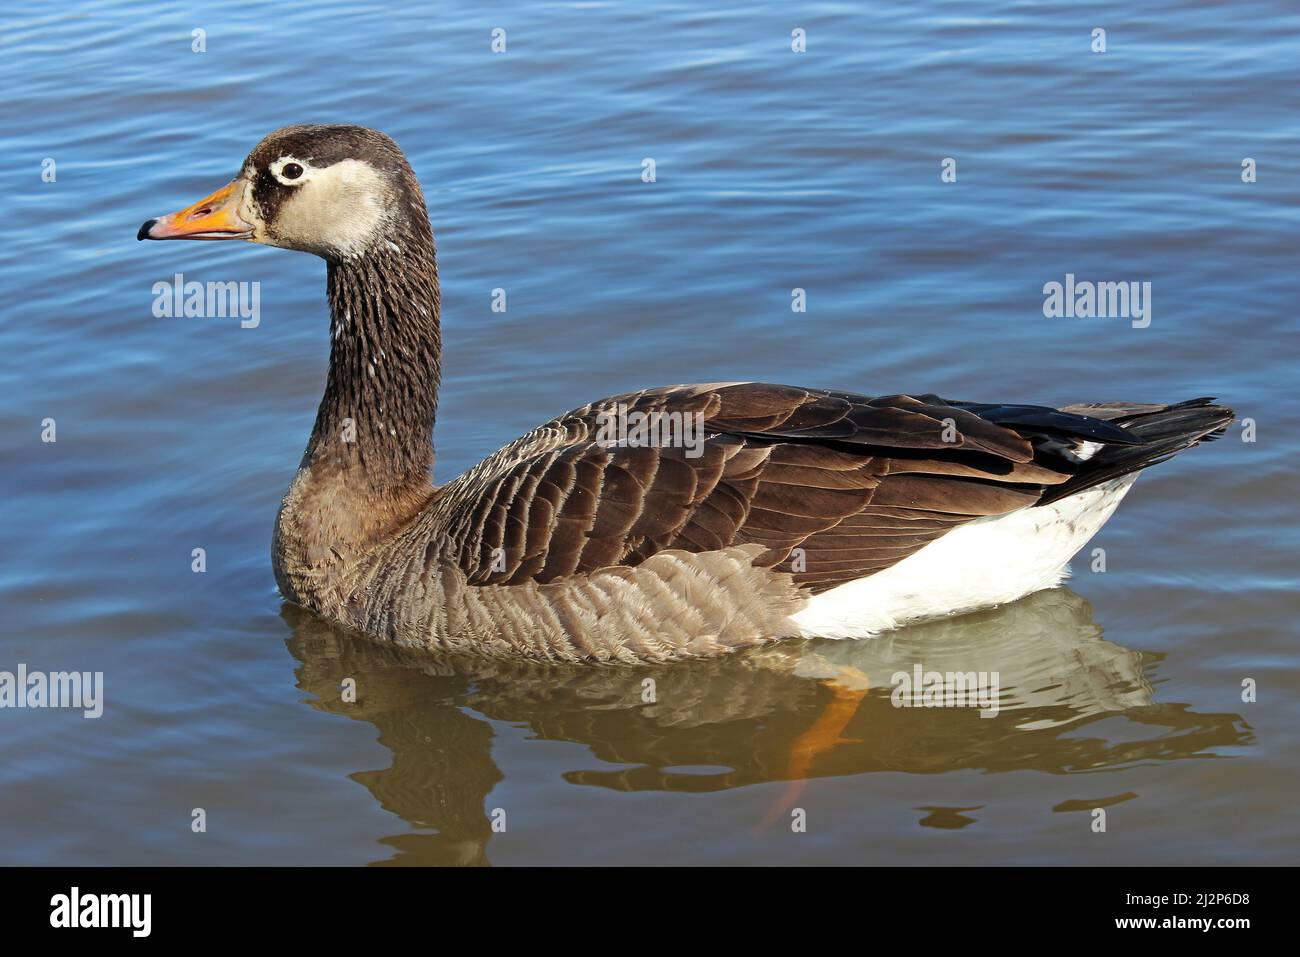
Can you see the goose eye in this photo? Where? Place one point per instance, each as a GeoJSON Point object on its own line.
{"type": "Point", "coordinates": [291, 171]}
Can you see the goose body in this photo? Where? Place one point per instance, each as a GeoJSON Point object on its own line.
{"type": "Point", "coordinates": [746, 512]}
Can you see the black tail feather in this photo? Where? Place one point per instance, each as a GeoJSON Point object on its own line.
{"type": "Point", "coordinates": [1164, 430]}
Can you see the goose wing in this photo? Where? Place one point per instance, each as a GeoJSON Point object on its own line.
{"type": "Point", "coordinates": [853, 483]}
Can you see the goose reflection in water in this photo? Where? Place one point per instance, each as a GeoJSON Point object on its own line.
{"type": "Point", "coordinates": [786, 712]}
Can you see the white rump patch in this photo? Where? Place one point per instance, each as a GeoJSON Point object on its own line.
{"type": "Point", "coordinates": [986, 562]}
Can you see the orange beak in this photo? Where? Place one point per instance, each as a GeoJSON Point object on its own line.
{"type": "Point", "coordinates": [213, 217]}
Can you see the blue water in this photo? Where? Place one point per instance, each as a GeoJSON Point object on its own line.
{"type": "Point", "coordinates": [774, 170]}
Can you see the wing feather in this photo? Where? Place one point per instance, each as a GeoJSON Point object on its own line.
{"type": "Point", "coordinates": [853, 483]}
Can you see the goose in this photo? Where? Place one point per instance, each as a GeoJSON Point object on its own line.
{"type": "Point", "coordinates": [666, 523]}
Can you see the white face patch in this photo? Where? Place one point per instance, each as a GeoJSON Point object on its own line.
{"type": "Point", "coordinates": [248, 209]}
{"type": "Point", "coordinates": [339, 210]}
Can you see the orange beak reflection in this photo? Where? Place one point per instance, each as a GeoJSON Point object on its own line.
{"type": "Point", "coordinates": [213, 217]}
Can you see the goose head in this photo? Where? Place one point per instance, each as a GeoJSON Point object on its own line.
{"type": "Point", "coordinates": [340, 192]}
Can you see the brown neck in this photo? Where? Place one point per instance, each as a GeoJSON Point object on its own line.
{"type": "Point", "coordinates": [366, 471]}
{"type": "Point", "coordinates": [375, 422]}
